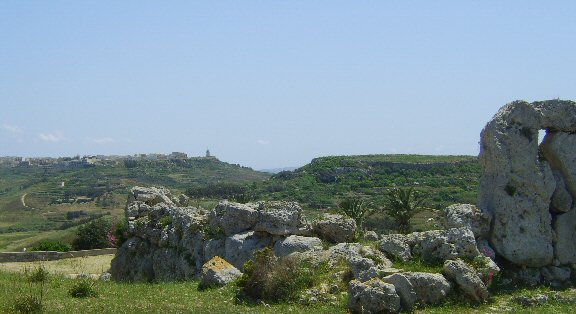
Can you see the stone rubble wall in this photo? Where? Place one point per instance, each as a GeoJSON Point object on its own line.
{"type": "Point", "coordinates": [37, 256]}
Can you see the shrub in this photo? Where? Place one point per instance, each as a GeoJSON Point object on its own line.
{"type": "Point", "coordinates": [165, 221]}
{"type": "Point", "coordinates": [93, 235]}
{"type": "Point", "coordinates": [275, 279]}
{"type": "Point", "coordinates": [83, 288]}
{"type": "Point", "coordinates": [52, 246]}
{"type": "Point", "coordinates": [120, 233]}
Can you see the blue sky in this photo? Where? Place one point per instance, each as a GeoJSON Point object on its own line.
{"type": "Point", "coordinates": [273, 83]}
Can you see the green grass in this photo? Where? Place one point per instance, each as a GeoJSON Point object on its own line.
{"type": "Point", "coordinates": [185, 297]}
{"type": "Point", "coordinates": [182, 297]}
{"type": "Point", "coordinates": [15, 241]}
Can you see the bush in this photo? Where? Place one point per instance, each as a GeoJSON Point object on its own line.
{"type": "Point", "coordinates": [275, 279]}
{"type": "Point", "coordinates": [83, 288]}
{"type": "Point", "coordinates": [93, 235]}
{"type": "Point", "coordinates": [52, 246]}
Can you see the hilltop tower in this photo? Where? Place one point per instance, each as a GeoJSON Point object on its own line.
{"type": "Point", "coordinates": [208, 153]}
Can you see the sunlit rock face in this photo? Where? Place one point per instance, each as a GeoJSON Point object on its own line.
{"type": "Point", "coordinates": [529, 187]}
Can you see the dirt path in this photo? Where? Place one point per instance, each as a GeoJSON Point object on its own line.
{"type": "Point", "coordinates": [23, 199]}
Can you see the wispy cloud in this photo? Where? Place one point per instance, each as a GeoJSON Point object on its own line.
{"type": "Point", "coordinates": [11, 128]}
{"type": "Point", "coordinates": [103, 141]}
{"type": "Point", "coordinates": [263, 142]}
{"type": "Point", "coordinates": [53, 137]}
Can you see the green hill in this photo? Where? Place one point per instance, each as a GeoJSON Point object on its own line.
{"type": "Point", "coordinates": [319, 184]}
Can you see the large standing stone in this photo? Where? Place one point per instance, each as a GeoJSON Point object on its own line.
{"type": "Point", "coordinates": [374, 296]}
{"type": "Point", "coordinates": [517, 184]}
{"type": "Point", "coordinates": [466, 279]}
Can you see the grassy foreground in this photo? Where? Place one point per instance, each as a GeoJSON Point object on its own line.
{"type": "Point", "coordinates": [185, 297]}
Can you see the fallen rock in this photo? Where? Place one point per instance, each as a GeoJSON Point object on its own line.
{"type": "Point", "coordinates": [296, 243]}
{"type": "Point", "coordinates": [404, 289]}
{"type": "Point", "coordinates": [374, 296]}
{"type": "Point", "coordinates": [396, 246]}
{"type": "Point", "coordinates": [429, 288]}
{"type": "Point", "coordinates": [466, 279]}
{"type": "Point", "coordinates": [217, 273]}
{"type": "Point", "coordinates": [336, 228]}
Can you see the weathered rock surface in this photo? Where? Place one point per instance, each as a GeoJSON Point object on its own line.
{"type": "Point", "coordinates": [370, 236]}
{"type": "Point", "coordinates": [429, 288]}
{"type": "Point", "coordinates": [397, 246]}
{"type": "Point", "coordinates": [565, 227]}
{"type": "Point", "coordinates": [151, 196]}
{"type": "Point", "coordinates": [217, 273]}
{"type": "Point", "coordinates": [440, 245]}
{"type": "Point", "coordinates": [553, 274]}
{"type": "Point", "coordinates": [374, 296]}
{"type": "Point", "coordinates": [336, 228]}
{"type": "Point", "coordinates": [296, 243]}
{"type": "Point", "coordinates": [404, 289]}
{"type": "Point", "coordinates": [241, 247]}
{"type": "Point", "coordinates": [467, 215]}
{"type": "Point", "coordinates": [518, 185]}
{"type": "Point", "coordinates": [282, 218]}
{"type": "Point", "coordinates": [233, 218]}
{"type": "Point", "coordinates": [466, 279]}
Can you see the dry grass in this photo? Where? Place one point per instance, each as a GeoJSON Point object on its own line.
{"type": "Point", "coordinates": [70, 266]}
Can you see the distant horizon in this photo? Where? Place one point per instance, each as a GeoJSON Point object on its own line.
{"type": "Point", "coordinates": [273, 83]}
{"type": "Point", "coordinates": [227, 161]}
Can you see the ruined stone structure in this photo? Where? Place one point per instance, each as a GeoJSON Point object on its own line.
{"type": "Point", "coordinates": [529, 187]}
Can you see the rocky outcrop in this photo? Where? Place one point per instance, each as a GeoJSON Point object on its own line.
{"type": "Point", "coordinates": [466, 279]}
{"type": "Point", "coordinates": [281, 218]}
{"type": "Point", "coordinates": [374, 296]}
{"type": "Point", "coordinates": [336, 228]}
{"type": "Point", "coordinates": [528, 188]}
{"type": "Point", "coordinates": [217, 273]}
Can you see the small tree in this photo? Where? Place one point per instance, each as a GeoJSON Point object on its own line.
{"type": "Point", "coordinates": [402, 205]}
{"type": "Point", "coordinates": [93, 235]}
{"type": "Point", "coordinates": [356, 208]}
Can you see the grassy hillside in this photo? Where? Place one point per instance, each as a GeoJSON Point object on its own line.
{"type": "Point", "coordinates": [445, 179]}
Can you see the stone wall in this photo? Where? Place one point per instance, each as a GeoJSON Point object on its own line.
{"type": "Point", "coordinates": [7, 257]}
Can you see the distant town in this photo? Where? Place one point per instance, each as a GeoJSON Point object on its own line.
{"type": "Point", "coordinates": [89, 160]}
